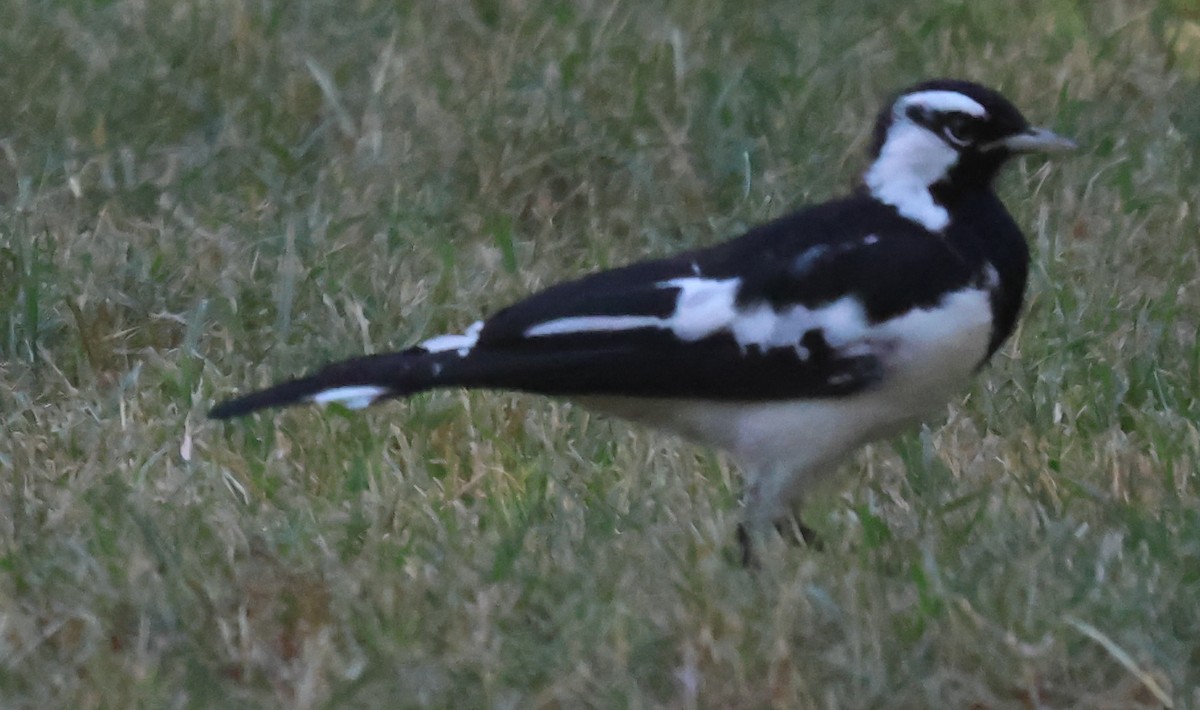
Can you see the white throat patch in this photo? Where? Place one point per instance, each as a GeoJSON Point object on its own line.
{"type": "Point", "coordinates": [911, 160]}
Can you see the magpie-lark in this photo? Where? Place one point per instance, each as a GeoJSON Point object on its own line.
{"type": "Point", "coordinates": [790, 346]}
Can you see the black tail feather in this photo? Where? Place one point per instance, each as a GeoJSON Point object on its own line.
{"type": "Point", "coordinates": [281, 395]}
{"type": "Point", "coordinates": [399, 374]}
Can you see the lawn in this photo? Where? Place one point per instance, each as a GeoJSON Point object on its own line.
{"type": "Point", "coordinates": [199, 197]}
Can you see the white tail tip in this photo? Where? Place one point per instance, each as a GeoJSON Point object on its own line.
{"type": "Point", "coordinates": [355, 397]}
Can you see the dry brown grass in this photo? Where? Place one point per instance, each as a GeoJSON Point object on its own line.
{"type": "Point", "coordinates": [199, 197]}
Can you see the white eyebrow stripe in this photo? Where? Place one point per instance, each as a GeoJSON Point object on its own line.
{"type": "Point", "coordinates": [944, 101]}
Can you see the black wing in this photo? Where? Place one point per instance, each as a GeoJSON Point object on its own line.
{"type": "Point", "coordinates": [678, 327]}
{"type": "Point", "coordinates": [608, 333]}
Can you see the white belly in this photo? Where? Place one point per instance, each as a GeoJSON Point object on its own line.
{"type": "Point", "coordinates": [928, 355]}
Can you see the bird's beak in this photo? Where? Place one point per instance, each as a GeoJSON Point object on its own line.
{"type": "Point", "coordinates": [1036, 140]}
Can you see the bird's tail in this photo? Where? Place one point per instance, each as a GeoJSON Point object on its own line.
{"type": "Point", "coordinates": [354, 383]}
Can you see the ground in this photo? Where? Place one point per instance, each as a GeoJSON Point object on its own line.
{"type": "Point", "coordinates": [198, 197]}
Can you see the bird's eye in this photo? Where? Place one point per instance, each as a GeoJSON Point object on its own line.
{"type": "Point", "coordinates": [957, 129]}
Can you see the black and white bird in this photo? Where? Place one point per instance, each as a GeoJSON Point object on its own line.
{"type": "Point", "coordinates": [789, 346]}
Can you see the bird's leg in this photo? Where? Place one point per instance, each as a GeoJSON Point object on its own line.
{"type": "Point", "coordinates": [749, 560]}
{"type": "Point", "coordinates": [766, 504]}
{"type": "Point", "coordinates": [791, 529]}
{"type": "Point", "coordinates": [771, 500]}
{"type": "Point", "coordinates": [755, 504]}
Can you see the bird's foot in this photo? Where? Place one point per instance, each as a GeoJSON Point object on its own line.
{"type": "Point", "coordinates": [796, 532]}
{"type": "Point", "coordinates": [792, 530]}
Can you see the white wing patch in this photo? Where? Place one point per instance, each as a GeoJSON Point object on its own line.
{"type": "Point", "coordinates": [461, 342]}
{"type": "Point", "coordinates": [355, 397]}
{"type": "Point", "coordinates": [592, 324]}
{"type": "Point", "coordinates": [762, 327]}
{"type": "Point", "coordinates": [844, 321]}
{"type": "Point", "coordinates": [755, 325]}
{"type": "Point", "coordinates": [705, 307]}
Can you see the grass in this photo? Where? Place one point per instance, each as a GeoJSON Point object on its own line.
{"type": "Point", "coordinates": [199, 197]}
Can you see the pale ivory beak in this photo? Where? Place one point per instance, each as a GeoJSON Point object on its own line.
{"type": "Point", "coordinates": [1035, 140]}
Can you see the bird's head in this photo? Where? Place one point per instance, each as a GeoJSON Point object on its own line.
{"type": "Point", "coordinates": [948, 135]}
